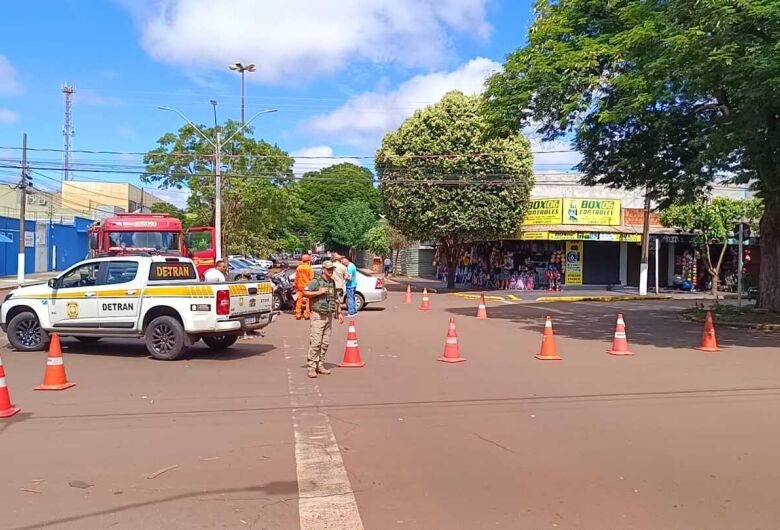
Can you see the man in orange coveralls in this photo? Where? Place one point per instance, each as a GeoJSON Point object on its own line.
{"type": "Point", "coordinates": [303, 275]}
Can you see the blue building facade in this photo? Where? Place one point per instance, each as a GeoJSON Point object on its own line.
{"type": "Point", "coordinates": [49, 246]}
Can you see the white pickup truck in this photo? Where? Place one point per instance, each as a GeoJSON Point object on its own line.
{"type": "Point", "coordinates": [154, 297]}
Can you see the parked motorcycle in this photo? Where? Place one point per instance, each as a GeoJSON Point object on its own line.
{"type": "Point", "coordinates": [283, 291]}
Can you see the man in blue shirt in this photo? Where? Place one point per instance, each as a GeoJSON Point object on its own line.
{"type": "Point", "coordinates": [350, 284]}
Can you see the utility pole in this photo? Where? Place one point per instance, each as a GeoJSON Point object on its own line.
{"type": "Point", "coordinates": [22, 212]}
{"type": "Point", "coordinates": [218, 196]}
{"type": "Point", "coordinates": [67, 129]}
{"type": "Point", "coordinates": [242, 69]}
{"type": "Point", "coordinates": [643, 266]}
{"type": "Point", "coordinates": [218, 244]}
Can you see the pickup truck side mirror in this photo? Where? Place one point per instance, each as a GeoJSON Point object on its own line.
{"type": "Point", "coordinates": [53, 283]}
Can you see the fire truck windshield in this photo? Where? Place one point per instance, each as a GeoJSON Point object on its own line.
{"type": "Point", "coordinates": [160, 241]}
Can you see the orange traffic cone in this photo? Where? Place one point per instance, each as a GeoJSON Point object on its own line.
{"type": "Point", "coordinates": [55, 378]}
{"type": "Point", "coordinates": [548, 352]}
{"type": "Point", "coordinates": [482, 310]}
{"type": "Point", "coordinates": [708, 340]}
{"type": "Point", "coordinates": [451, 349]}
{"type": "Point", "coordinates": [408, 294]}
{"type": "Point", "coordinates": [620, 342]}
{"type": "Point", "coordinates": [6, 408]}
{"type": "Point", "coordinates": [425, 305]}
{"type": "Point", "coordinates": [352, 351]}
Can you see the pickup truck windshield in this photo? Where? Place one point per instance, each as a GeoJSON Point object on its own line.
{"type": "Point", "coordinates": [162, 241]}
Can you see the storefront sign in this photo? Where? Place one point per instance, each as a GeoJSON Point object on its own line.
{"type": "Point", "coordinates": [591, 212]}
{"type": "Point", "coordinates": [544, 212]}
{"type": "Point", "coordinates": [625, 238]}
{"type": "Point", "coordinates": [534, 236]}
{"type": "Point", "coordinates": [574, 261]}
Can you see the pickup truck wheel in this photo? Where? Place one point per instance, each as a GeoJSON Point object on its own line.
{"type": "Point", "coordinates": [220, 342]}
{"type": "Point", "coordinates": [25, 333]}
{"type": "Point", "coordinates": [165, 338]}
{"type": "Point", "coordinates": [277, 302]}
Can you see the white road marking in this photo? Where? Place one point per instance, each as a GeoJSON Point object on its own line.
{"type": "Point", "coordinates": [325, 497]}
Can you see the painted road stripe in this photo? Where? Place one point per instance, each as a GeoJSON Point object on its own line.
{"type": "Point", "coordinates": [325, 497]}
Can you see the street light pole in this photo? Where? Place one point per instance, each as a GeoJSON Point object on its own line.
{"type": "Point", "coordinates": [217, 168]}
{"type": "Point", "coordinates": [238, 67]}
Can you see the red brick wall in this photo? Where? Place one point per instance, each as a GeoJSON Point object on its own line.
{"type": "Point", "coordinates": [634, 216]}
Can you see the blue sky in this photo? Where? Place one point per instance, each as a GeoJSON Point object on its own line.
{"type": "Point", "coordinates": [340, 73]}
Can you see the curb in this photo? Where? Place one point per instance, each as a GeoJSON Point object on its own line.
{"type": "Point", "coordinates": [470, 296]}
{"type": "Point", "coordinates": [744, 325]}
{"type": "Point", "coordinates": [616, 298]}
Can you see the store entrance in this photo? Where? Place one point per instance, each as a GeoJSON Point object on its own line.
{"type": "Point", "coordinates": [601, 263]}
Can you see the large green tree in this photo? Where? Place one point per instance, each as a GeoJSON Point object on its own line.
{"type": "Point", "coordinates": [323, 192]}
{"type": "Point", "coordinates": [257, 207]}
{"type": "Point", "coordinates": [712, 222]}
{"type": "Point", "coordinates": [666, 95]}
{"type": "Point", "coordinates": [446, 179]}
{"type": "Point", "coordinates": [351, 222]}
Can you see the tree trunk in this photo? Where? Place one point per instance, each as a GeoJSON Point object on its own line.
{"type": "Point", "coordinates": [450, 253]}
{"type": "Point", "coordinates": [769, 279]}
{"type": "Point", "coordinates": [396, 270]}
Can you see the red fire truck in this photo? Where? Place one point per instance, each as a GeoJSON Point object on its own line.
{"type": "Point", "coordinates": [156, 233]}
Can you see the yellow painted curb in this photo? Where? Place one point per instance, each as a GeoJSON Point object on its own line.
{"type": "Point", "coordinates": [469, 296]}
{"type": "Point", "coordinates": [616, 298]}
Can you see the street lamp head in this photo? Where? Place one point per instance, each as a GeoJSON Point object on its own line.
{"type": "Point", "coordinates": [213, 102]}
{"type": "Point", "coordinates": [250, 67]}
{"type": "Point", "coordinates": [164, 107]}
{"type": "Point", "coordinates": [235, 66]}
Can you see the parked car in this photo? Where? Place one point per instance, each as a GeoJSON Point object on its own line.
{"type": "Point", "coordinates": [237, 268]}
{"type": "Point", "coordinates": [370, 290]}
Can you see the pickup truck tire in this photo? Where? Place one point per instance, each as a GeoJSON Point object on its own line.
{"type": "Point", "coordinates": [88, 340]}
{"type": "Point", "coordinates": [25, 333]}
{"type": "Point", "coordinates": [165, 338]}
{"type": "Point", "coordinates": [220, 342]}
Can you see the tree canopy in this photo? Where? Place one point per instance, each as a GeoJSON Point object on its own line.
{"type": "Point", "coordinates": [350, 223]}
{"type": "Point", "coordinates": [323, 192]}
{"type": "Point", "coordinates": [377, 240]}
{"type": "Point", "coordinates": [664, 94]}
{"type": "Point", "coordinates": [446, 179]}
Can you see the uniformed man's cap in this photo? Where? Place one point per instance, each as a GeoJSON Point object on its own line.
{"type": "Point", "coordinates": [327, 264]}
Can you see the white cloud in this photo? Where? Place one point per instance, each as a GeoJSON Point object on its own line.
{"type": "Point", "coordinates": [90, 97]}
{"type": "Point", "coordinates": [364, 118]}
{"type": "Point", "coordinates": [316, 158]}
{"type": "Point", "coordinates": [299, 39]}
{"type": "Point", "coordinates": [9, 85]}
{"type": "Point", "coordinates": [8, 116]}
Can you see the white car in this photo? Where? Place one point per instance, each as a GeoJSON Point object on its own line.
{"type": "Point", "coordinates": [369, 290]}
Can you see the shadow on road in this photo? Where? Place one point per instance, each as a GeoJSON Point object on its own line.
{"type": "Point", "coordinates": [117, 348]}
{"type": "Point", "coordinates": [286, 488]}
{"type": "Point", "coordinates": [653, 325]}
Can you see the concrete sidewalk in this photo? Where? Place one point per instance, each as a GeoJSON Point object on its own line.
{"type": "Point", "coordinates": [9, 282]}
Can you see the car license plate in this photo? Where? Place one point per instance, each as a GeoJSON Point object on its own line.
{"type": "Point", "coordinates": [250, 320]}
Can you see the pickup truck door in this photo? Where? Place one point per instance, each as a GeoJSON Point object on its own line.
{"type": "Point", "coordinates": [73, 303]}
{"type": "Point", "coordinates": [119, 295]}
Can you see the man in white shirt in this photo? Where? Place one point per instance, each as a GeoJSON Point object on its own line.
{"type": "Point", "coordinates": [217, 274]}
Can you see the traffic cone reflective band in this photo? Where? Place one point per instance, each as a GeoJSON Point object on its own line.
{"type": "Point", "coordinates": [708, 340]}
{"type": "Point", "coordinates": [548, 352]}
{"type": "Point", "coordinates": [352, 351]}
{"type": "Point", "coordinates": [6, 408]}
{"type": "Point", "coordinates": [451, 349]}
{"type": "Point", "coordinates": [55, 378]}
{"type": "Point", "coordinates": [408, 294]}
{"type": "Point", "coordinates": [482, 310]}
{"type": "Point", "coordinates": [620, 342]}
{"type": "Point", "coordinates": [425, 304]}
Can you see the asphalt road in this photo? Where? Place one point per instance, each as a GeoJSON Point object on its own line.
{"type": "Point", "coordinates": [670, 438]}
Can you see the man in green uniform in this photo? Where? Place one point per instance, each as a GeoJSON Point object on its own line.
{"type": "Point", "coordinates": [321, 292]}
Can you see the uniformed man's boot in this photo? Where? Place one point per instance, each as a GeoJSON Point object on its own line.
{"type": "Point", "coordinates": [312, 373]}
{"type": "Point", "coordinates": [322, 370]}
